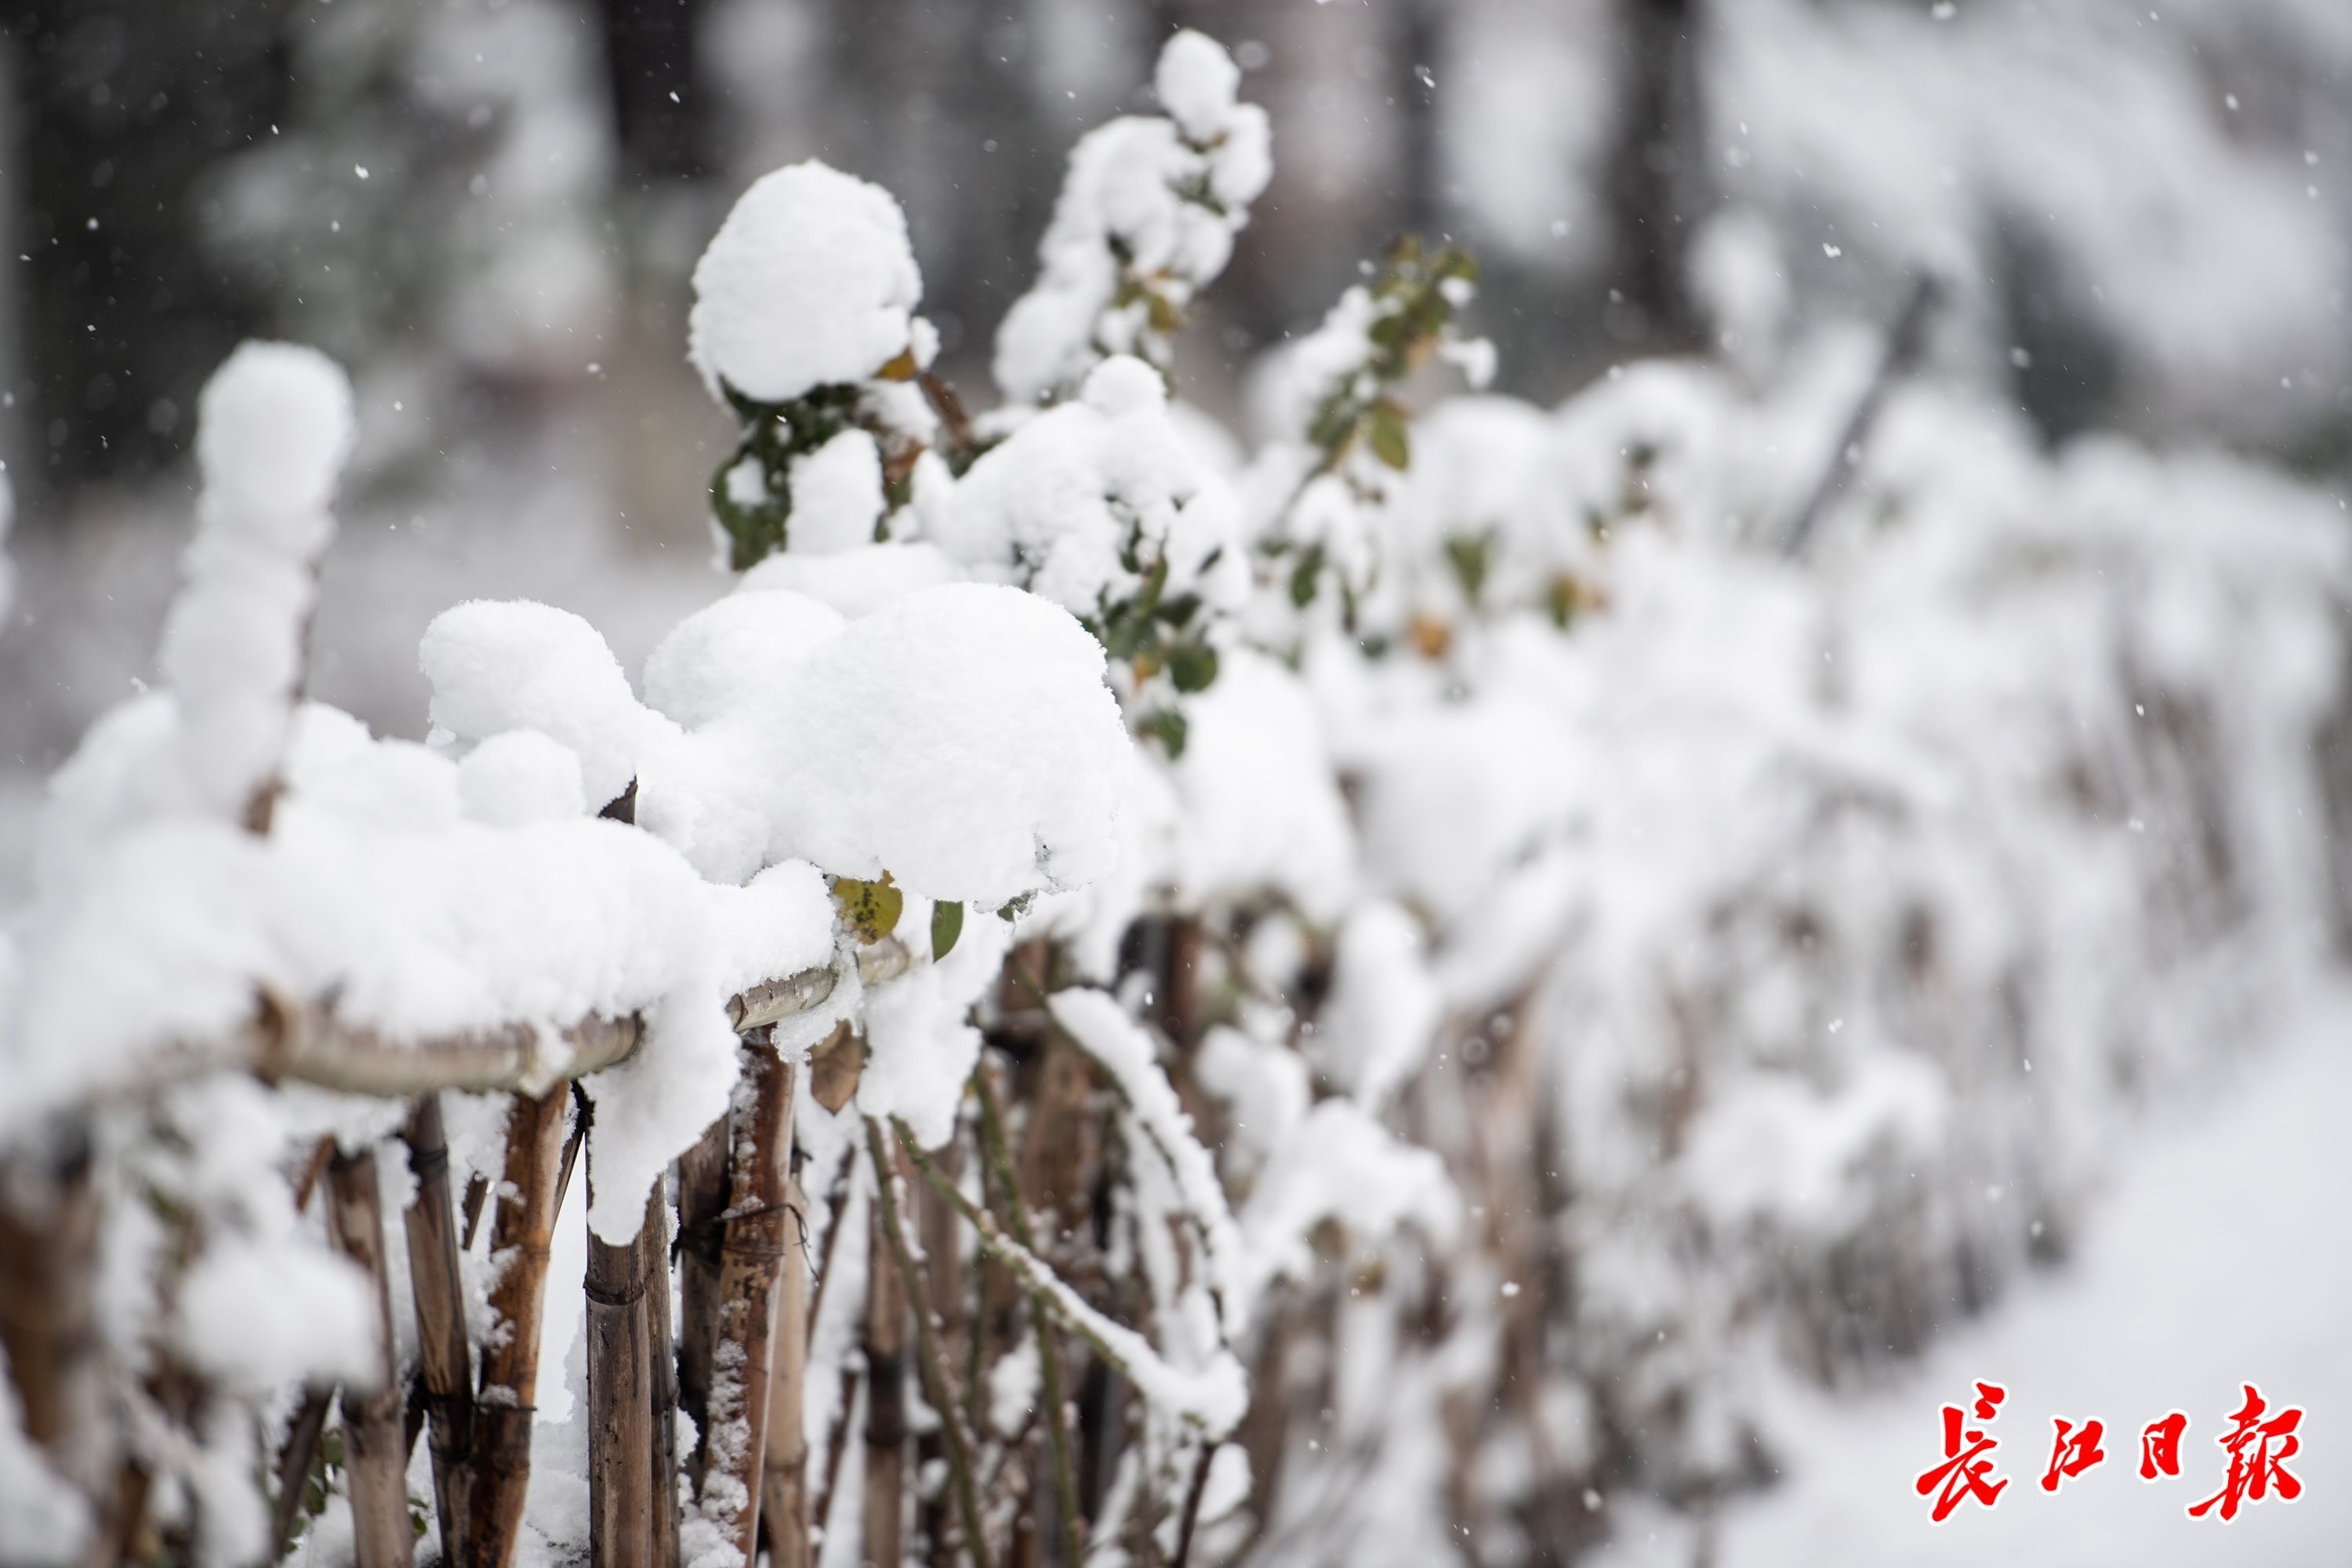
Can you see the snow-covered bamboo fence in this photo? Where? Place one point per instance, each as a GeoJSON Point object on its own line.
{"type": "Point", "coordinates": [1115, 1003]}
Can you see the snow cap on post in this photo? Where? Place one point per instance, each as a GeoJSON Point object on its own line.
{"type": "Point", "coordinates": [273, 429]}
{"type": "Point", "coordinates": [810, 282]}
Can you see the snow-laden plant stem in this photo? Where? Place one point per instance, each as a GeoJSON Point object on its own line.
{"type": "Point", "coordinates": [1007, 1184]}
{"type": "Point", "coordinates": [445, 1368]}
{"type": "Point", "coordinates": [938, 1387]}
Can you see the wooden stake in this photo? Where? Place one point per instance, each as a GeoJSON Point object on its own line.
{"type": "Point", "coordinates": [375, 1450]}
{"type": "Point", "coordinates": [885, 1392]}
{"type": "Point", "coordinates": [521, 1232]}
{"type": "Point", "coordinates": [752, 1255]}
{"type": "Point", "coordinates": [48, 1277]}
{"type": "Point", "coordinates": [783, 1477]}
{"type": "Point", "coordinates": [654, 1243]}
{"type": "Point", "coordinates": [701, 1211]}
{"type": "Point", "coordinates": [438, 1292]}
{"type": "Point", "coordinates": [621, 1457]}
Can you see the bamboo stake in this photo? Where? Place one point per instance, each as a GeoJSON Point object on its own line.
{"type": "Point", "coordinates": [621, 1455]}
{"type": "Point", "coordinates": [751, 1257]}
{"type": "Point", "coordinates": [885, 1392]}
{"type": "Point", "coordinates": [438, 1293]}
{"type": "Point", "coordinates": [701, 1213]}
{"type": "Point", "coordinates": [49, 1279]}
{"type": "Point", "coordinates": [375, 1450]}
{"type": "Point", "coordinates": [530, 1194]}
{"type": "Point", "coordinates": [932, 1361]}
{"type": "Point", "coordinates": [653, 1242]}
{"type": "Point", "coordinates": [783, 1477]}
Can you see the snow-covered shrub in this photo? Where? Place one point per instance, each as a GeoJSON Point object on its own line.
{"type": "Point", "coordinates": [1357, 1006]}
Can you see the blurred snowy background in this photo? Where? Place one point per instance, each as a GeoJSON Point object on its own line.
{"type": "Point", "coordinates": [2086, 809]}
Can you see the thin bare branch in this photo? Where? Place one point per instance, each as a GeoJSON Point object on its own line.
{"type": "Point", "coordinates": [938, 1387]}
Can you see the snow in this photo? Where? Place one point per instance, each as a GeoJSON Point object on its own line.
{"type": "Point", "coordinates": [1072, 497]}
{"type": "Point", "coordinates": [2195, 1273]}
{"type": "Point", "coordinates": [958, 738]}
{"type": "Point", "coordinates": [808, 283]}
{"type": "Point", "coordinates": [1384, 1007]}
{"type": "Point", "coordinates": [1132, 206]}
{"type": "Point", "coordinates": [257, 1314]}
{"type": "Point", "coordinates": [853, 581]}
{"type": "Point", "coordinates": [521, 776]}
{"type": "Point", "coordinates": [718, 658]}
{"type": "Point", "coordinates": [1261, 807]}
{"type": "Point", "coordinates": [1195, 82]}
{"type": "Point", "coordinates": [837, 494]}
{"type": "Point", "coordinates": [274, 427]}
{"type": "Point", "coordinates": [921, 1051]}
{"type": "Point", "coordinates": [1096, 1022]}
{"type": "Point", "coordinates": [1341, 1164]}
{"type": "Point", "coordinates": [519, 666]}
{"type": "Point", "coordinates": [48, 1520]}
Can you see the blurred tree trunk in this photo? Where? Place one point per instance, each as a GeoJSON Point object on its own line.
{"type": "Point", "coordinates": [938, 101]}
{"type": "Point", "coordinates": [122, 108]}
{"type": "Point", "coordinates": [659, 110]}
{"type": "Point", "coordinates": [1654, 181]}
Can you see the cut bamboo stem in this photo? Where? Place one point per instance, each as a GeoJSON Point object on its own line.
{"type": "Point", "coordinates": [522, 1230]}
{"type": "Point", "coordinates": [783, 1477]}
{"type": "Point", "coordinates": [620, 1453]}
{"type": "Point", "coordinates": [438, 1292]}
{"type": "Point", "coordinates": [652, 1243]}
{"type": "Point", "coordinates": [701, 1219]}
{"type": "Point", "coordinates": [938, 1387]}
{"type": "Point", "coordinates": [886, 1390]}
{"type": "Point", "coordinates": [48, 1280]}
{"type": "Point", "coordinates": [374, 1447]}
{"type": "Point", "coordinates": [752, 1258]}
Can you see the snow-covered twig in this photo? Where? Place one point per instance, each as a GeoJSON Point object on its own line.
{"type": "Point", "coordinates": [1212, 1399]}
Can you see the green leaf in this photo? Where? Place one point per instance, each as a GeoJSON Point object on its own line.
{"type": "Point", "coordinates": [1169, 727]}
{"type": "Point", "coordinates": [1468, 557]}
{"type": "Point", "coordinates": [1303, 576]}
{"type": "Point", "coordinates": [1388, 436]}
{"type": "Point", "coordinates": [872, 909]}
{"type": "Point", "coordinates": [1014, 909]}
{"type": "Point", "coordinates": [1192, 666]}
{"type": "Point", "coordinates": [947, 924]}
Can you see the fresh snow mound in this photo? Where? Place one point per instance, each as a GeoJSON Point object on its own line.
{"type": "Point", "coordinates": [274, 425]}
{"type": "Point", "coordinates": [721, 656]}
{"type": "Point", "coordinates": [497, 666]}
{"type": "Point", "coordinates": [853, 582]}
{"type": "Point", "coordinates": [1195, 82]}
{"type": "Point", "coordinates": [1077, 493]}
{"type": "Point", "coordinates": [809, 282]}
{"type": "Point", "coordinates": [837, 494]}
{"type": "Point", "coordinates": [960, 738]}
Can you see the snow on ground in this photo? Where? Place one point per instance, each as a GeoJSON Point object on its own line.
{"type": "Point", "coordinates": [2218, 1258]}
